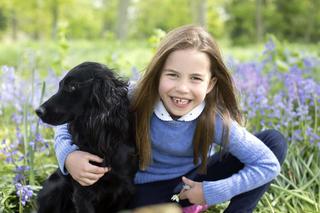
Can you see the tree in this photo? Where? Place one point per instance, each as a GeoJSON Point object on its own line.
{"type": "Point", "coordinates": [165, 15]}
{"type": "Point", "coordinates": [3, 20]}
{"type": "Point", "coordinates": [216, 17]}
{"type": "Point", "coordinates": [241, 22]}
{"type": "Point", "coordinates": [199, 12]}
{"type": "Point", "coordinates": [54, 11]}
{"type": "Point", "coordinates": [12, 20]}
{"type": "Point", "coordinates": [122, 22]}
{"type": "Point", "coordinates": [109, 14]}
{"type": "Point", "coordinates": [259, 20]}
{"type": "Point", "coordinates": [299, 20]}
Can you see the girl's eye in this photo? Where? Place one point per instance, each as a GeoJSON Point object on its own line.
{"type": "Point", "coordinates": [196, 79]}
{"type": "Point", "coordinates": [172, 75]}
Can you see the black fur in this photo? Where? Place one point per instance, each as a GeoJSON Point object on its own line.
{"type": "Point", "coordinates": [95, 105]}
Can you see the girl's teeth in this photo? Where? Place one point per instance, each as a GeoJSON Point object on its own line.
{"type": "Point", "coordinates": [180, 101]}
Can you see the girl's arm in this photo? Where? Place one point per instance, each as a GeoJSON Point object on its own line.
{"type": "Point", "coordinates": [260, 165]}
{"type": "Point", "coordinates": [63, 145]}
{"type": "Point", "coordinates": [76, 162]}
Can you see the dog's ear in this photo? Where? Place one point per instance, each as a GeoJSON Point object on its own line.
{"type": "Point", "coordinates": [107, 93]}
{"type": "Point", "coordinates": [109, 96]}
{"type": "Point", "coordinates": [99, 93]}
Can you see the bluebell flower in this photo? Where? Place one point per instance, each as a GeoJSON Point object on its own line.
{"type": "Point", "coordinates": [297, 135]}
{"type": "Point", "coordinates": [314, 137]}
{"type": "Point", "coordinates": [310, 62]}
{"type": "Point", "coordinates": [269, 46]}
{"type": "Point", "coordinates": [23, 192]}
{"type": "Point", "coordinates": [32, 144]}
{"type": "Point", "coordinates": [20, 171]}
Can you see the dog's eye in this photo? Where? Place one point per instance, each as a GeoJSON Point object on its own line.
{"type": "Point", "coordinates": [71, 87]}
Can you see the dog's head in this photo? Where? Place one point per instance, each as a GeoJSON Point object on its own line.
{"type": "Point", "coordinates": [87, 87]}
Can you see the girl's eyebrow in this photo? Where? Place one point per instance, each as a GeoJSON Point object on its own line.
{"type": "Point", "coordinates": [175, 71]}
{"type": "Point", "coordinates": [170, 70]}
{"type": "Point", "coordinates": [197, 74]}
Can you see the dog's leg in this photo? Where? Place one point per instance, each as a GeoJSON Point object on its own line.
{"type": "Point", "coordinates": [82, 201]}
{"type": "Point", "coordinates": [55, 196]}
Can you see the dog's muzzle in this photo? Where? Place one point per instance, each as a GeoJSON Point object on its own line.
{"type": "Point", "coordinates": [41, 111]}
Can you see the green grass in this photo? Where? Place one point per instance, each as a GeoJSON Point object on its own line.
{"type": "Point", "coordinates": [121, 56]}
{"type": "Point", "coordinates": [296, 189]}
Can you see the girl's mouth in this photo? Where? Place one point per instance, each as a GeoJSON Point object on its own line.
{"type": "Point", "coordinates": [180, 102]}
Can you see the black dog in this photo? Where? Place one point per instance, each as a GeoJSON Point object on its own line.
{"type": "Point", "coordinates": [95, 105]}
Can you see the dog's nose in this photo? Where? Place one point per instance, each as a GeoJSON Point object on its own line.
{"type": "Point", "coordinates": [41, 111]}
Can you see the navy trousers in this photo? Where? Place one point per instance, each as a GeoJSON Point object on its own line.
{"type": "Point", "coordinates": [161, 191]}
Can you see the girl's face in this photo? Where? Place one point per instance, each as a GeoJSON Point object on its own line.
{"type": "Point", "coordinates": [185, 81]}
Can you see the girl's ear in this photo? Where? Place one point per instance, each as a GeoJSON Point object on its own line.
{"type": "Point", "coordinates": [212, 83]}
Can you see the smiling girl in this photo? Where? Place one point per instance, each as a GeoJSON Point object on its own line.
{"type": "Point", "coordinates": [183, 106]}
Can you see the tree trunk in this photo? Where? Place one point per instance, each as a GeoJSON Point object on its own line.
{"type": "Point", "coordinates": [14, 25]}
{"type": "Point", "coordinates": [199, 12]}
{"type": "Point", "coordinates": [259, 21]}
{"type": "Point", "coordinates": [55, 17]}
{"type": "Point", "coordinates": [122, 20]}
{"type": "Point", "coordinates": [310, 23]}
{"type": "Point", "coordinates": [36, 30]}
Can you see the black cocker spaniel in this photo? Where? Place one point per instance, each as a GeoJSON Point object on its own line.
{"type": "Point", "coordinates": [95, 105]}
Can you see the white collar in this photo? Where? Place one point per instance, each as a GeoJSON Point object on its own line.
{"type": "Point", "coordinates": [163, 114]}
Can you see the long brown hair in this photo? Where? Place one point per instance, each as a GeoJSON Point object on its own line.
{"type": "Point", "coordinates": [221, 99]}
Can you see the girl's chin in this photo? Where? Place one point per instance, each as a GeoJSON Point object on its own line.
{"type": "Point", "coordinates": [177, 113]}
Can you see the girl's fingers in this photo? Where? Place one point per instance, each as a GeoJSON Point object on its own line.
{"type": "Point", "coordinates": [188, 182]}
{"type": "Point", "coordinates": [97, 169]}
{"type": "Point", "coordinates": [94, 158]}
{"type": "Point", "coordinates": [88, 179]}
{"type": "Point", "coordinates": [81, 183]}
{"type": "Point", "coordinates": [183, 195]}
{"type": "Point", "coordinates": [92, 176]}
{"type": "Point", "coordinates": [86, 182]}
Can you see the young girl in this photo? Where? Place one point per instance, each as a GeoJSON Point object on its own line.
{"type": "Point", "coordinates": [184, 105]}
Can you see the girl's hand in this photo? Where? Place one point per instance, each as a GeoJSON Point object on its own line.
{"type": "Point", "coordinates": [194, 194]}
{"type": "Point", "coordinates": [86, 174]}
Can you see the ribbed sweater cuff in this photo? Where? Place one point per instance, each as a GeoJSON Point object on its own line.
{"type": "Point", "coordinates": [62, 152]}
{"type": "Point", "coordinates": [216, 192]}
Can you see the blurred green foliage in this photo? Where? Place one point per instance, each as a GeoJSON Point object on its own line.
{"type": "Point", "coordinates": [292, 21]}
{"type": "Point", "coordinates": [242, 21]}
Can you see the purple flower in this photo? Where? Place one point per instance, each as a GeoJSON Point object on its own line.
{"type": "Point", "coordinates": [269, 46]}
{"type": "Point", "coordinates": [310, 62]}
{"type": "Point", "coordinates": [314, 138]}
{"type": "Point", "coordinates": [17, 117]}
{"type": "Point", "coordinates": [297, 135]}
{"type": "Point", "coordinates": [20, 170]}
{"type": "Point", "coordinates": [39, 138]}
{"type": "Point", "coordinates": [23, 192]}
{"type": "Point", "coordinates": [32, 144]}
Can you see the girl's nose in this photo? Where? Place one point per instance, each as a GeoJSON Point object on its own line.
{"type": "Point", "coordinates": [182, 87]}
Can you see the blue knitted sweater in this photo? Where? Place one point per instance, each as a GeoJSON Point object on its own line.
{"type": "Point", "coordinates": [172, 153]}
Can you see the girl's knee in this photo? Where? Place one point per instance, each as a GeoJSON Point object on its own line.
{"type": "Point", "coordinates": [276, 143]}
